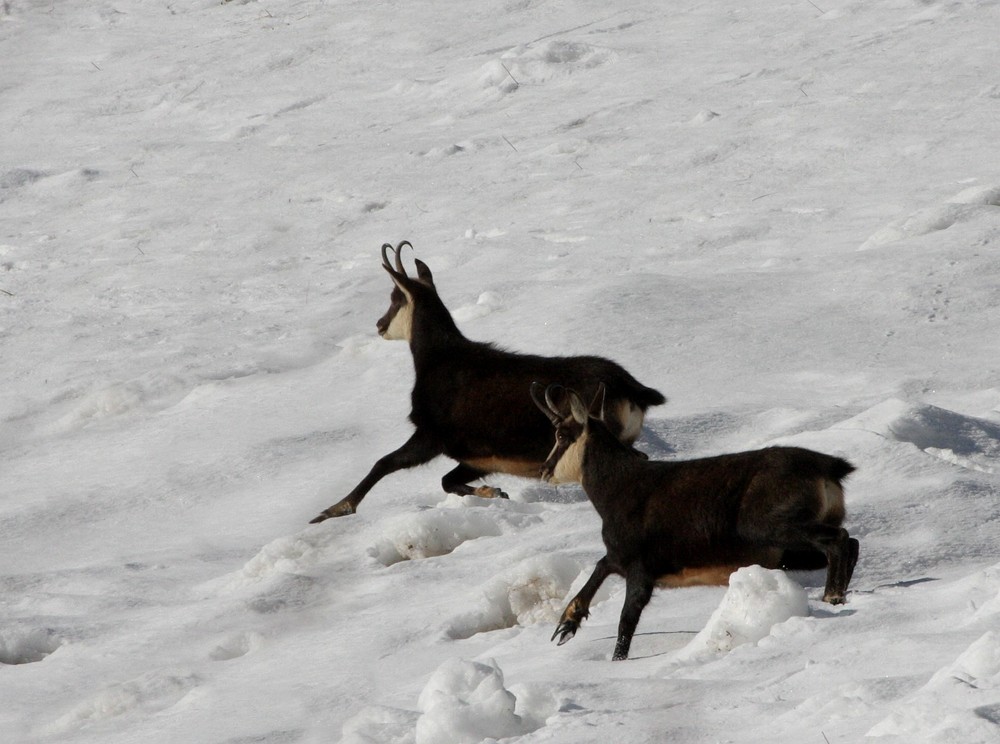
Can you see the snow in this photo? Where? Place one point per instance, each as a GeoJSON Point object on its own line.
{"type": "Point", "coordinates": [756, 600]}
{"type": "Point", "coordinates": [783, 216]}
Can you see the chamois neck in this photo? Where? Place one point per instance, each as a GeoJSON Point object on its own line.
{"type": "Point", "coordinates": [433, 330]}
{"type": "Point", "coordinates": [606, 462]}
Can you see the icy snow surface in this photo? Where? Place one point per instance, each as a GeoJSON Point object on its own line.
{"type": "Point", "coordinates": [785, 216]}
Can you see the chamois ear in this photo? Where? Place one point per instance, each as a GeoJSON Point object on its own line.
{"type": "Point", "coordinates": [423, 272]}
{"type": "Point", "coordinates": [401, 281]}
{"type": "Point", "coordinates": [537, 391]}
{"type": "Point", "coordinates": [597, 404]}
{"type": "Point", "coordinates": [577, 408]}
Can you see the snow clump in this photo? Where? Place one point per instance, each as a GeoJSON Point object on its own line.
{"type": "Point", "coordinates": [756, 601]}
{"type": "Point", "coordinates": [465, 702]}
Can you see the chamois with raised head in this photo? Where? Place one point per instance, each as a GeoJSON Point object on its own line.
{"type": "Point", "coordinates": [683, 523]}
{"type": "Point", "coordinates": [471, 401]}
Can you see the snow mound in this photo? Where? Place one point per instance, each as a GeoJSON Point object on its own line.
{"type": "Point", "coordinates": [961, 702]}
{"type": "Point", "coordinates": [532, 591]}
{"type": "Point", "coordinates": [965, 441]}
{"type": "Point", "coordinates": [431, 533]}
{"type": "Point", "coordinates": [756, 601]}
{"type": "Point", "coordinates": [487, 303]}
{"type": "Point", "coordinates": [986, 196]}
{"type": "Point", "coordinates": [965, 204]}
{"type": "Point", "coordinates": [465, 702]}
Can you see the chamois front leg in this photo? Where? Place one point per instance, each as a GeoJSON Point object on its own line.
{"type": "Point", "coordinates": [638, 590]}
{"type": "Point", "coordinates": [579, 607]}
{"type": "Point", "coordinates": [457, 481]}
{"type": "Point", "coordinates": [417, 450]}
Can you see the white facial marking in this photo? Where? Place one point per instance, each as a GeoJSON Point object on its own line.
{"type": "Point", "coordinates": [401, 326]}
{"type": "Point", "coordinates": [569, 469]}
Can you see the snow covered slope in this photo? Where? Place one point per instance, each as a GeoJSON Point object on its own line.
{"type": "Point", "coordinates": [784, 216]}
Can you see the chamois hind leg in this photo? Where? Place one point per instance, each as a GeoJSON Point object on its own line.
{"type": "Point", "coordinates": [457, 481]}
{"type": "Point", "coordinates": [638, 590]}
{"type": "Point", "coordinates": [579, 607]}
{"type": "Point", "coordinates": [842, 555]}
{"type": "Point", "coordinates": [417, 450]}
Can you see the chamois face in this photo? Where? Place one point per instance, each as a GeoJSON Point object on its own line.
{"type": "Point", "coordinates": [569, 417]}
{"type": "Point", "coordinates": [565, 462]}
{"type": "Point", "coordinates": [397, 323]}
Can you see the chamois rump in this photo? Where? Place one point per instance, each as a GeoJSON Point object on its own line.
{"type": "Point", "coordinates": [471, 400]}
{"type": "Point", "coordinates": [693, 522]}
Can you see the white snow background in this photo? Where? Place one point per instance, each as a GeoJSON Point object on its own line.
{"type": "Point", "coordinates": [785, 216]}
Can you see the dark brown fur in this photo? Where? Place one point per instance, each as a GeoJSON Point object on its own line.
{"type": "Point", "coordinates": [676, 521]}
{"type": "Point", "coordinates": [471, 401]}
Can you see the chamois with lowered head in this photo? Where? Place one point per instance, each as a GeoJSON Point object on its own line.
{"type": "Point", "coordinates": [471, 400]}
{"type": "Point", "coordinates": [683, 523]}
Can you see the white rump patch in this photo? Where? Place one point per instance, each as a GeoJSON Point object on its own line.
{"type": "Point", "coordinates": [630, 416]}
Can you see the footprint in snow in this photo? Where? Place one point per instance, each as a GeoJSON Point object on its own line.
{"type": "Point", "coordinates": [237, 646]}
{"type": "Point", "coordinates": [431, 533]}
{"type": "Point", "coordinates": [26, 645]}
{"type": "Point", "coordinates": [144, 695]}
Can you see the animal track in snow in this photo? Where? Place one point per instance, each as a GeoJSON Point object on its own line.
{"type": "Point", "coordinates": [145, 695]}
{"type": "Point", "coordinates": [17, 178]}
{"type": "Point", "coordinates": [531, 64]}
{"type": "Point", "coordinates": [237, 646]}
{"type": "Point", "coordinates": [282, 560]}
{"type": "Point", "coordinates": [26, 645]}
{"type": "Point", "coordinates": [431, 533]}
{"type": "Point", "coordinates": [966, 203]}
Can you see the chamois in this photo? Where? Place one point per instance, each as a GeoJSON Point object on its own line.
{"type": "Point", "coordinates": [471, 401]}
{"type": "Point", "coordinates": [692, 522]}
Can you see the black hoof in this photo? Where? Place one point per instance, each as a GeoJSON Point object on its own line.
{"type": "Point", "coordinates": [565, 631]}
{"type": "Point", "coordinates": [337, 510]}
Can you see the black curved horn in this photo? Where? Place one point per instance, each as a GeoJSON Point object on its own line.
{"type": "Point", "coordinates": [399, 256]}
{"type": "Point", "coordinates": [539, 397]}
{"type": "Point", "coordinates": [555, 407]}
{"type": "Point", "coordinates": [385, 257]}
